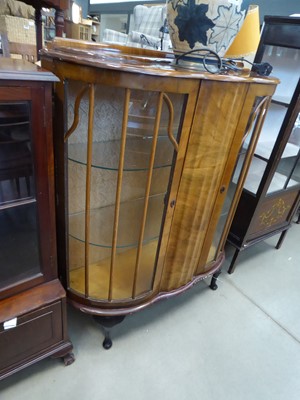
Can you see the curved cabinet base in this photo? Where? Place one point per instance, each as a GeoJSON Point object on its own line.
{"type": "Point", "coordinates": [102, 310]}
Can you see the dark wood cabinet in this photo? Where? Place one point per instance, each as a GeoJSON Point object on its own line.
{"type": "Point", "coordinates": [272, 189]}
{"type": "Point", "coordinates": [32, 300]}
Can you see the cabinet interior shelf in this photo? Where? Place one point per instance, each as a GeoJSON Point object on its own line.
{"type": "Point", "coordinates": [17, 203]}
{"type": "Point", "coordinates": [281, 101]}
{"type": "Point", "coordinates": [137, 153]}
{"type": "Point", "coordinates": [13, 123]}
{"type": "Point", "coordinates": [264, 150]}
{"type": "Point", "coordinates": [102, 223]}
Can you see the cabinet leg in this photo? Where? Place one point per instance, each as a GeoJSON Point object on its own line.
{"type": "Point", "coordinates": [107, 323]}
{"type": "Point", "coordinates": [233, 261]}
{"type": "Point", "coordinates": [281, 239]}
{"type": "Point", "coordinates": [107, 342]}
{"type": "Point", "coordinates": [65, 354]}
{"type": "Point", "coordinates": [69, 359]}
{"type": "Point", "coordinates": [213, 284]}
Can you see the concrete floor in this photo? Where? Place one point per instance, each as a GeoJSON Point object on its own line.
{"type": "Point", "coordinates": [241, 342]}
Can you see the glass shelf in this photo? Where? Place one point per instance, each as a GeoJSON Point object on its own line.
{"type": "Point", "coordinates": [264, 150]}
{"type": "Point", "coordinates": [270, 130]}
{"type": "Point", "coordinates": [16, 203]}
{"type": "Point", "coordinates": [102, 222]}
{"type": "Point", "coordinates": [137, 153]}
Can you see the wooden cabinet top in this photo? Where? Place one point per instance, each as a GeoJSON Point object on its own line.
{"type": "Point", "coordinates": [15, 69]}
{"type": "Point", "coordinates": [136, 60]}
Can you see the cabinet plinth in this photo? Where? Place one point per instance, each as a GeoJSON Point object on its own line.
{"type": "Point", "coordinates": [145, 154]}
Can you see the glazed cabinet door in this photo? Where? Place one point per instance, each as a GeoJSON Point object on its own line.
{"type": "Point", "coordinates": [124, 146]}
{"type": "Point", "coordinates": [27, 245]}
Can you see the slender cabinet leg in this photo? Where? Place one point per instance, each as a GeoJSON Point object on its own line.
{"type": "Point", "coordinates": [281, 239]}
{"type": "Point", "coordinates": [233, 261]}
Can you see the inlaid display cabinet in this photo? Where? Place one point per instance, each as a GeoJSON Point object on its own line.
{"type": "Point", "coordinates": [271, 192]}
{"type": "Point", "coordinates": [32, 300]}
{"type": "Point", "coordinates": [144, 156]}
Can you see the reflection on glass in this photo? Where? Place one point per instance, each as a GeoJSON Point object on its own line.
{"type": "Point", "coordinates": [18, 218]}
{"type": "Point", "coordinates": [287, 174]}
{"type": "Point", "coordinates": [286, 67]}
{"type": "Point", "coordinates": [270, 130]}
{"type": "Point", "coordinates": [114, 229]}
{"type": "Point", "coordinates": [116, 22]}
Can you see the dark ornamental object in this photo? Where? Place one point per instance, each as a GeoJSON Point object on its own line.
{"type": "Point", "coordinates": [204, 24]}
{"type": "Point", "coordinates": [193, 24]}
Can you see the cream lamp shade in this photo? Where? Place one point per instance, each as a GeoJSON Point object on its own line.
{"type": "Point", "coordinates": [246, 42]}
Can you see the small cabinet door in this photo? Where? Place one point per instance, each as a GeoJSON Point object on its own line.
{"type": "Point", "coordinates": [27, 255]}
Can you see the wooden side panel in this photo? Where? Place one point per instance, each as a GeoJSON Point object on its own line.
{"type": "Point", "coordinates": [210, 142]}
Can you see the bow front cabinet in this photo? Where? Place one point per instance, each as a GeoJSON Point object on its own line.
{"type": "Point", "coordinates": [145, 155]}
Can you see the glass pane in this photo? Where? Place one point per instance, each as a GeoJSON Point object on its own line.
{"type": "Point", "coordinates": [270, 130]}
{"type": "Point", "coordinates": [139, 189]}
{"type": "Point", "coordinates": [116, 22]}
{"type": "Point", "coordinates": [286, 67]}
{"type": "Point", "coordinates": [19, 255]}
{"type": "Point", "coordinates": [287, 172]}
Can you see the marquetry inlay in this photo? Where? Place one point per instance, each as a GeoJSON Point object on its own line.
{"type": "Point", "coordinates": [274, 214]}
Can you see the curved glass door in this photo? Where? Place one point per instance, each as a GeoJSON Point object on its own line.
{"type": "Point", "coordinates": [121, 145]}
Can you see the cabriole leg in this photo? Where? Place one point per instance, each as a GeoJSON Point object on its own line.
{"type": "Point", "coordinates": [107, 323]}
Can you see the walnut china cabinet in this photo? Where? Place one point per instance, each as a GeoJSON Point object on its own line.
{"type": "Point", "coordinates": [144, 154]}
{"type": "Point", "coordinates": [272, 189]}
{"type": "Point", "coordinates": [32, 300]}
